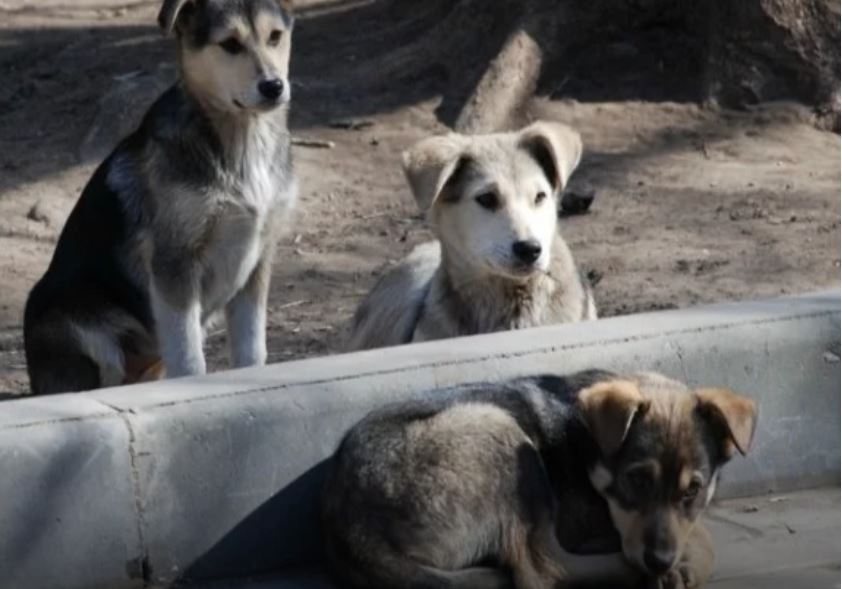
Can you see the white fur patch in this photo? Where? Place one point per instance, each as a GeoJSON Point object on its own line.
{"type": "Point", "coordinates": [712, 488]}
{"type": "Point", "coordinates": [246, 331]}
{"type": "Point", "coordinates": [601, 477]}
{"type": "Point", "coordinates": [180, 336]}
{"type": "Point", "coordinates": [104, 349]}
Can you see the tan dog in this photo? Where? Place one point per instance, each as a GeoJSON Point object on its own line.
{"type": "Point", "coordinates": [500, 262]}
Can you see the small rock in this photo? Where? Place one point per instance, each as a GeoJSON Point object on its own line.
{"type": "Point", "coordinates": [38, 214]}
{"type": "Point", "coordinates": [594, 277]}
{"type": "Point", "coordinates": [577, 200]}
{"type": "Point", "coordinates": [750, 509]}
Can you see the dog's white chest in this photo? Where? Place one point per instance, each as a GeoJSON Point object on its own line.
{"type": "Point", "coordinates": [259, 186]}
{"type": "Point", "coordinates": [230, 259]}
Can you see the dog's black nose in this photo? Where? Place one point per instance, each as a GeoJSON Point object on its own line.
{"type": "Point", "coordinates": [271, 89]}
{"type": "Point", "coordinates": [527, 250]}
{"type": "Point", "coordinates": [658, 562]}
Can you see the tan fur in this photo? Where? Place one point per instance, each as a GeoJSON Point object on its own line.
{"type": "Point", "coordinates": [738, 413]}
{"type": "Point", "coordinates": [470, 282]}
{"type": "Point", "coordinates": [608, 408]}
{"type": "Point", "coordinates": [218, 79]}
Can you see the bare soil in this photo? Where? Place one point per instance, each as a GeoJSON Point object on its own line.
{"type": "Point", "coordinates": [693, 204]}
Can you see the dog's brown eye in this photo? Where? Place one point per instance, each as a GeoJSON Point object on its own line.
{"type": "Point", "coordinates": [540, 197]}
{"type": "Point", "coordinates": [487, 200]}
{"type": "Point", "coordinates": [691, 492]}
{"type": "Point", "coordinates": [639, 481]}
{"type": "Point", "coordinates": [274, 38]}
{"type": "Point", "coordinates": [232, 46]}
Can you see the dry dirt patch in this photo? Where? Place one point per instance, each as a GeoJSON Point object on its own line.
{"type": "Point", "coordinates": [692, 205]}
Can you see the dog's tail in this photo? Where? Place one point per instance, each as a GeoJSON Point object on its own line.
{"type": "Point", "coordinates": [407, 574]}
{"type": "Point", "coordinates": [471, 578]}
{"type": "Point", "coordinates": [384, 569]}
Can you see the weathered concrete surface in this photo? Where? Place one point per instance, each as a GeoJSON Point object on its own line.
{"type": "Point", "coordinates": [217, 477]}
{"type": "Point", "coordinates": [769, 542]}
{"type": "Point", "coordinates": [67, 503]}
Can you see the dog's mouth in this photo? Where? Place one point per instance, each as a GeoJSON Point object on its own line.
{"type": "Point", "coordinates": [262, 106]}
{"type": "Point", "coordinates": [515, 271]}
{"type": "Point", "coordinates": [524, 269]}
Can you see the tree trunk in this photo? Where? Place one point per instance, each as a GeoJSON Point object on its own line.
{"type": "Point", "coordinates": [495, 52]}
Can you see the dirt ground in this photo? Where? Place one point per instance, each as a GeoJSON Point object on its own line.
{"type": "Point", "coordinates": [693, 205]}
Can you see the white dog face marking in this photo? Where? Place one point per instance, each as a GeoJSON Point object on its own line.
{"type": "Point", "coordinates": [499, 218]}
{"type": "Point", "coordinates": [493, 198]}
{"type": "Point", "coordinates": [236, 57]}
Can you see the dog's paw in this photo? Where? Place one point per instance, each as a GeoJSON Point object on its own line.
{"type": "Point", "coordinates": [681, 577]}
{"type": "Point", "coordinates": [688, 575]}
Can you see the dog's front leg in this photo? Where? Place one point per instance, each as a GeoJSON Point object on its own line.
{"type": "Point", "coordinates": [246, 318]}
{"type": "Point", "coordinates": [177, 308]}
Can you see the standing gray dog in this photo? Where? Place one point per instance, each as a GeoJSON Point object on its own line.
{"type": "Point", "coordinates": [499, 262]}
{"type": "Point", "coordinates": [180, 220]}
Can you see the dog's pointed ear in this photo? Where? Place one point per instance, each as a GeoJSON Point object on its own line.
{"type": "Point", "coordinates": [170, 11]}
{"type": "Point", "coordinates": [735, 414]}
{"type": "Point", "coordinates": [608, 408]}
{"type": "Point", "coordinates": [556, 147]}
{"type": "Point", "coordinates": [429, 164]}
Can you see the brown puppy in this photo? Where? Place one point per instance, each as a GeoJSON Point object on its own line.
{"type": "Point", "coordinates": [500, 485]}
{"type": "Point", "coordinates": [662, 449]}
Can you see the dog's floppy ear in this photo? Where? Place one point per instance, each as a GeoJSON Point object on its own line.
{"type": "Point", "coordinates": [735, 413]}
{"type": "Point", "coordinates": [608, 409]}
{"type": "Point", "coordinates": [429, 164]}
{"type": "Point", "coordinates": [170, 11]}
{"type": "Point", "coordinates": [556, 147]}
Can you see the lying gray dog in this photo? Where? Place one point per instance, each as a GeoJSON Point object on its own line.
{"type": "Point", "coordinates": [516, 484]}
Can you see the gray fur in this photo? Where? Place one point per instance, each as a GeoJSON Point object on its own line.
{"type": "Point", "coordinates": [438, 493]}
{"type": "Point", "coordinates": [457, 488]}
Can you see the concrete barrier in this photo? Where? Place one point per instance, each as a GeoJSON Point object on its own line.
{"type": "Point", "coordinates": [216, 477]}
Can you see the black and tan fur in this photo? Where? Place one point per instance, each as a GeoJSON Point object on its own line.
{"type": "Point", "coordinates": [499, 261]}
{"type": "Point", "coordinates": [180, 221]}
{"type": "Point", "coordinates": [520, 484]}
